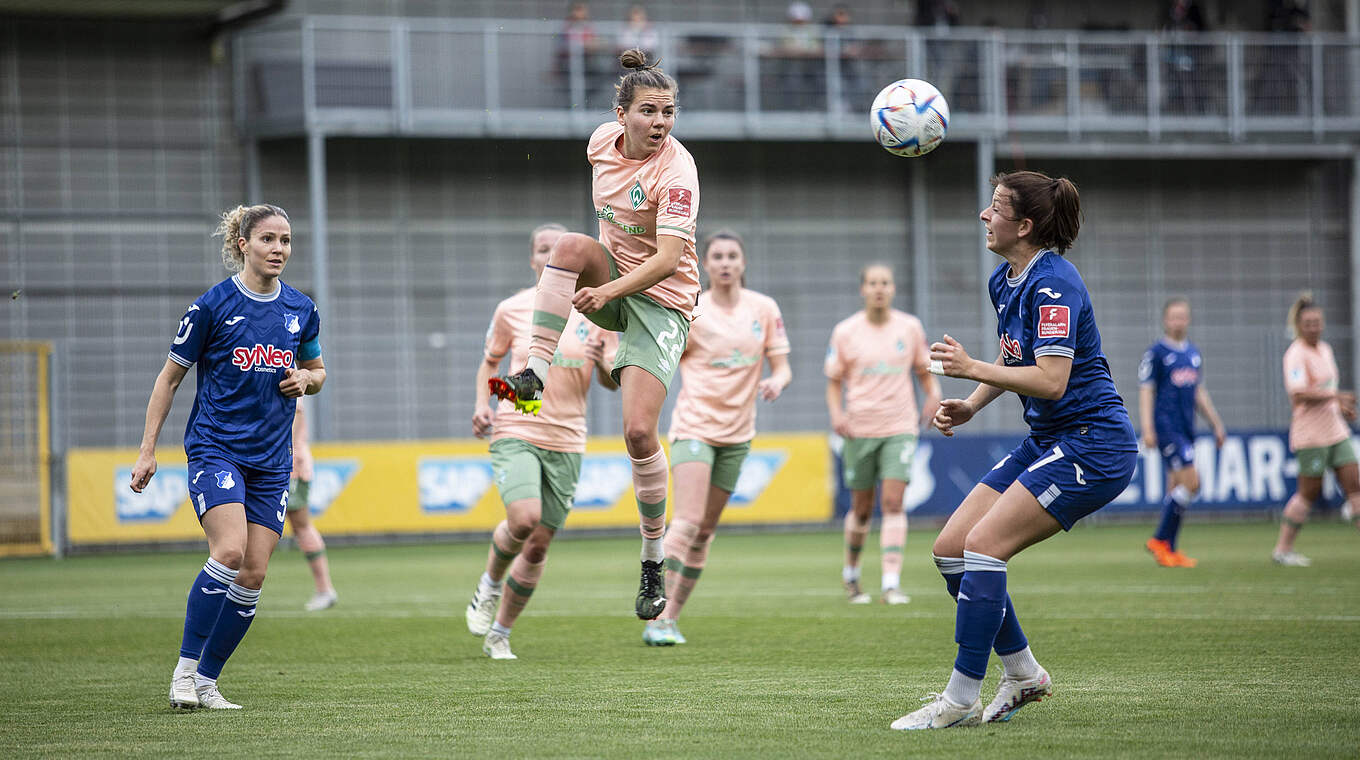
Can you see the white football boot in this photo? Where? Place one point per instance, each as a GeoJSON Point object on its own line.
{"type": "Point", "coordinates": [209, 697]}
{"type": "Point", "coordinates": [182, 693]}
{"type": "Point", "coordinates": [321, 600]}
{"type": "Point", "coordinates": [497, 647]}
{"type": "Point", "coordinates": [894, 596]}
{"type": "Point", "coordinates": [1291, 559]}
{"type": "Point", "coordinates": [940, 713]}
{"type": "Point", "coordinates": [481, 611]}
{"type": "Point", "coordinates": [1014, 693]}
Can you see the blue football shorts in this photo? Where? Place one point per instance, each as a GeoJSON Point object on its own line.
{"type": "Point", "coordinates": [214, 481]}
{"type": "Point", "coordinates": [1070, 479]}
{"type": "Point", "coordinates": [1178, 451]}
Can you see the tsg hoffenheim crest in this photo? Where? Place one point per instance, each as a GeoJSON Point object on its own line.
{"type": "Point", "coordinates": [290, 321]}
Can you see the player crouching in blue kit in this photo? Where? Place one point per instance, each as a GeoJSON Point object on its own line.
{"type": "Point", "coordinates": [256, 343]}
{"type": "Point", "coordinates": [1079, 455]}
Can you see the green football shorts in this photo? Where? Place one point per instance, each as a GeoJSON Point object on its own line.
{"type": "Point", "coordinates": [525, 471]}
{"type": "Point", "coordinates": [724, 461]}
{"type": "Point", "coordinates": [653, 336]}
{"type": "Point", "coordinates": [869, 460]}
{"type": "Point", "coordinates": [1315, 462]}
{"type": "Point", "coordinates": [297, 495]}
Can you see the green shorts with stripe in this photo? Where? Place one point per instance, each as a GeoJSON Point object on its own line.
{"type": "Point", "coordinates": [1315, 462]}
{"type": "Point", "coordinates": [653, 336]}
{"type": "Point", "coordinates": [298, 493]}
{"type": "Point", "coordinates": [724, 461]}
{"type": "Point", "coordinates": [525, 471]}
{"type": "Point", "coordinates": [869, 460]}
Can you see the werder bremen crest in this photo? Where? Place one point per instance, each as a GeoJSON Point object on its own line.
{"type": "Point", "coordinates": [636, 196]}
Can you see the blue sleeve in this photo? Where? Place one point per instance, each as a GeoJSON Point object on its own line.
{"type": "Point", "coordinates": [192, 336]}
{"type": "Point", "coordinates": [1055, 305]}
{"type": "Point", "coordinates": [1147, 367]}
{"type": "Point", "coordinates": [310, 346]}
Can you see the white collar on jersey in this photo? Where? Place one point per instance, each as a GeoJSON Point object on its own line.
{"type": "Point", "coordinates": [252, 295]}
{"type": "Point", "coordinates": [1019, 279]}
{"type": "Point", "coordinates": [1177, 345]}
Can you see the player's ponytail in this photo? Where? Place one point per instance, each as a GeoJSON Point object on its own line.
{"type": "Point", "coordinates": [641, 74]}
{"type": "Point", "coordinates": [238, 223]}
{"type": "Point", "coordinates": [1301, 304]}
{"type": "Point", "coordinates": [1053, 205]}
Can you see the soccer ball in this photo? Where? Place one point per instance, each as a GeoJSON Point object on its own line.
{"type": "Point", "coordinates": [909, 117]}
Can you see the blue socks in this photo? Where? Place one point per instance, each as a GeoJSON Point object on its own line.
{"type": "Point", "coordinates": [1010, 638]}
{"type": "Point", "coordinates": [232, 622]}
{"type": "Point", "coordinates": [205, 603]}
{"type": "Point", "coordinates": [981, 611]}
{"type": "Point", "coordinates": [1173, 506]}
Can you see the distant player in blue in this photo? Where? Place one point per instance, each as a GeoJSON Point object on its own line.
{"type": "Point", "coordinates": [255, 341]}
{"type": "Point", "coordinates": [1079, 455]}
{"type": "Point", "coordinates": [1169, 393]}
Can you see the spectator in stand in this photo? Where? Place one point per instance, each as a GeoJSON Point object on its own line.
{"type": "Point", "coordinates": [639, 33]}
{"type": "Point", "coordinates": [802, 76]}
{"type": "Point", "coordinates": [853, 95]}
{"type": "Point", "coordinates": [577, 31]}
{"type": "Point", "coordinates": [1181, 62]}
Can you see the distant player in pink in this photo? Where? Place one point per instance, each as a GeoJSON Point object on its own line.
{"type": "Point", "coordinates": [640, 278]}
{"type": "Point", "coordinates": [1318, 434]}
{"type": "Point", "coordinates": [869, 394]}
{"type": "Point", "coordinates": [299, 511]}
{"type": "Point", "coordinates": [536, 460]}
{"type": "Point", "coordinates": [737, 331]}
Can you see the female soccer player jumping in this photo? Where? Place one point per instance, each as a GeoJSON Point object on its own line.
{"type": "Point", "coordinates": [255, 341]}
{"type": "Point", "coordinates": [1318, 434]}
{"type": "Point", "coordinates": [1169, 393]}
{"type": "Point", "coordinates": [870, 361]}
{"type": "Point", "coordinates": [1079, 455]}
{"type": "Point", "coordinates": [537, 460]}
{"type": "Point", "coordinates": [640, 278]}
{"type": "Point", "coordinates": [715, 416]}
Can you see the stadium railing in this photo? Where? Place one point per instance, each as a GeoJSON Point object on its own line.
{"type": "Point", "coordinates": [523, 78]}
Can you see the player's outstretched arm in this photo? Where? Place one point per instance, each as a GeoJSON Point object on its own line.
{"type": "Point", "coordinates": [833, 407]}
{"type": "Point", "coordinates": [1046, 378]}
{"type": "Point", "coordinates": [483, 414]}
{"type": "Point", "coordinates": [1205, 405]}
{"type": "Point", "coordinates": [669, 250]}
{"type": "Point", "coordinates": [157, 409]}
{"type": "Point", "coordinates": [780, 377]}
{"type": "Point", "coordinates": [1145, 404]}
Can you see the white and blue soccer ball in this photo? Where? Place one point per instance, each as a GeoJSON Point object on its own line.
{"type": "Point", "coordinates": [909, 117]}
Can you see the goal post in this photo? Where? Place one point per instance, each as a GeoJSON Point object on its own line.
{"type": "Point", "coordinates": [25, 448]}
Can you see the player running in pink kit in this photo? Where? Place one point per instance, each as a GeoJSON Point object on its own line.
{"type": "Point", "coordinates": [537, 460]}
{"type": "Point", "coordinates": [1318, 435]}
{"type": "Point", "coordinates": [641, 278]}
{"type": "Point", "coordinates": [872, 356]}
{"type": "Point", "coordinates": [715, 416]}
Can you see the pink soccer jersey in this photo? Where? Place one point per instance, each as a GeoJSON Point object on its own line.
{"type": "Point", "coordinates": [636, 201]}
{"type": "Point", "coordinates": [721, 367]}
{"type": "Point", "coordinates": [561, 425]}
{"type": "Point", "coordinates": [875, 364]}
{"type": "Point", "coordinates": [1315, 423]}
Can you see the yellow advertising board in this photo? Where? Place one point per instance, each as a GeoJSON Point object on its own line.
{"type": "Point", "coordinates": [441, 486]}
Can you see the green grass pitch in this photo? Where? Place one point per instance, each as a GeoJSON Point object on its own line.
{"type": "Point", "coordinates": [1237, 658]}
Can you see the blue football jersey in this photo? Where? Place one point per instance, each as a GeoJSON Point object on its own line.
{"type": "Point", "coordinates": [1046, 311]}
{"type": "Point", "coordinates": [242, 342]}
{"type": "Point", "coordinates": [1174, 373]}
